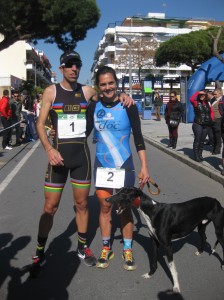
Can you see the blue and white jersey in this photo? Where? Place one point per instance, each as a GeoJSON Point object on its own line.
{"type": "Point", "coordinates": [112, 128]}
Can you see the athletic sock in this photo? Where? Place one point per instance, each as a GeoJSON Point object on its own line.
{"type": "Point", "coordinates": [41, 242]}
{"type": "Point", "coordinates": [127, 244]}
{"type": "Point", "coordinates": [82, 237]}
{"type": "Point", "coordinates": [106, 242]}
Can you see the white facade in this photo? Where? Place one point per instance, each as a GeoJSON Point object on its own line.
{"type": "Point", "coordinates": [21, 62]}
{"type": "Point", "coordinates": [154, 26]}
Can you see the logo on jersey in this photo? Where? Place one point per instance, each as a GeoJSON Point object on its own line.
{"type": "Point", "coordinates": [101, 113]}
{"type": "Point", "coordinates": [71, 109]}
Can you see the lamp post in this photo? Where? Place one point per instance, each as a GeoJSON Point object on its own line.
{"type": "Point", "coordinates": [117, 42]}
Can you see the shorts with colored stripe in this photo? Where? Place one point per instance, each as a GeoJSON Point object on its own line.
{"type": "Point", "coordinates": [76, 163]}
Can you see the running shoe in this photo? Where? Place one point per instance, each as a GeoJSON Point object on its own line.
{"type": "Point", "coordinates": [87, 256]}
{"type": "Point", "coordinates": [37, 265]}
{"type": "Point", "coordinates": [106, 255]}
{"type": "Point", "coordinates": [129, 262]}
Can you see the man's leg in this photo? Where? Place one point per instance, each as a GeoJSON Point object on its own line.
{"type": "Point", "coordinates": [52, 200]}
{"type": "Point", "coordinates": [82, 217]}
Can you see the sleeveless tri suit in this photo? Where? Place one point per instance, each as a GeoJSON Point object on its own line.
{"type": "Point", "coordinates": [68, 117]}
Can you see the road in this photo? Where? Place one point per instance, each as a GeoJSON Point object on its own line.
{"type": "Point", "coordinates": [64, 276]}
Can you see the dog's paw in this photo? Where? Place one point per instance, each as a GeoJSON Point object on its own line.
{"type": "Point", "coordinates": [197, 253]}
{"type": "Point", "coordinates": [176, 290]}
{"type": "Point", "coordinates": [222, 267]}
{"type": "Point", "coordinates": [146, 276]}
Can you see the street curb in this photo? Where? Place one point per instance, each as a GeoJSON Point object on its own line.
{"type": "Point", "coordinates": [191, 163]}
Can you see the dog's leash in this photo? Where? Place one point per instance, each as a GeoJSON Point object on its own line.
{"type": "Point", "coordinates": [152, 192]}
{"type": "Point", "coordinates": [155, 185]}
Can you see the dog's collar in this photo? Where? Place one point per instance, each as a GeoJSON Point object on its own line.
{"type": "Point", "coordinates": [136, 202]}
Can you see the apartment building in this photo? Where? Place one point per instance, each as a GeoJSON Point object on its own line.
{"type": "Point", "coordinates": [153, 28]}
{"type": "Point", "coordinates": [22, 62]}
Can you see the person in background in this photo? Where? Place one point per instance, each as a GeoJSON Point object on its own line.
{"type": "Point", "coordinates": [37, 104]}
{"type": "Point", "coordinates": [158, 102]}
{"type": "Point", "coordinates": [173, 114]}
{"type": "Point", "coordinates": [203, 119]}
{"type": "Point", "coordinates": [210, 141]}
{"type": "Point", "coordinates": [16, 108]}
{"type": "Point", "coordinates": [216, 102]}
{"type": "Point", "coordinates": [31, 117]}
{"type": "Point", "coordinates": [6, 119]}
{"type": "Point", "coordinates": [113, 125]}
{"type": "Point", "coordinates": [221, 109]}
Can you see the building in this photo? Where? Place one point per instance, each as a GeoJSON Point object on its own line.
{"type": "Point", "coordinates": [120, 39]}
{"type": "Point", "coordinates": [21, 62]}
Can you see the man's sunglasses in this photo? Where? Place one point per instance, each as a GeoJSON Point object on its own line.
{"type": "Point", "coordinates": [70, 64]}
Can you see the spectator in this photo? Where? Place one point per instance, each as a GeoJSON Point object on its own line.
{"type": "Point", "coordinates": [173, 114]}
{"type": "Point", "coordinates": [31, 117]}
{"type": "Point", "coordinates": [158, 102]}
{"type": "Point", "coordinates": [16, 108]}
{"type": "Point", "coordinates": [216, 102]}
{"type": "Point", "coordinates": [203, 119]}
{"type": "Point", "coordinates": [6, 119]}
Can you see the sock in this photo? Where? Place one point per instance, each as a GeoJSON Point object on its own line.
{"type": "Point", "coordinates": [82, 237]}
{"type": "Point", "coordinates": [106, 242]}
{"type": "Point", "coordinates": [127, 244]}
{"type": "Point", "coordinates": [41, 242]}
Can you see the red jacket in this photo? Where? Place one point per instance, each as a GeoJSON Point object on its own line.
{"type": "Point", "coordinates": [5, 110]}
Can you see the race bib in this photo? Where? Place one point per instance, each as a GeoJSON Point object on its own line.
{"type": "Point", "coordinates": [110, 178]}
{"type": "Point", "coordinates": [71, 126]}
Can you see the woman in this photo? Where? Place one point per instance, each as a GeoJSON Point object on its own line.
{"type": "Point", "coordinates": [114, 166]}
{"type": "Point", "coordinates": [173, 113]}
{"type": "Point", "coordinates": [203, 118]}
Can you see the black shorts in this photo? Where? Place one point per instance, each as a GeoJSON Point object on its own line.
{"type": "Point", "coordinates": [77, 162]}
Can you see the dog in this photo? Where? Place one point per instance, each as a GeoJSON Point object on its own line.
{"type": "Point", "coordinates": [169, 222]}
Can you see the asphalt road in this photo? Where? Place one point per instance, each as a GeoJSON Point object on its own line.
{"type": "Point", "coordinates": [64, 276]}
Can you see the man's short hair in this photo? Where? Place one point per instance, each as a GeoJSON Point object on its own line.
{"type": "Point", "coordinates": [5, 93]}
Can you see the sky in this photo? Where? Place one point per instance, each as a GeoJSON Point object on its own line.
{"type": "Point", "coordinates": [117, 10]}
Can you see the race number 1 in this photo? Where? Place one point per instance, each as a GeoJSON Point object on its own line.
{"type": "Point", "coordinates": [110, 178]}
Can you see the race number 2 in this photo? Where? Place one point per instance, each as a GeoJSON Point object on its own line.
{"type": "Point", "coordinates": [110, 178]}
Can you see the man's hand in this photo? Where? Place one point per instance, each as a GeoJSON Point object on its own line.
{"type": "Point", "coordinates": [54, 157]}
{"type": "Point", "coordinates": [126, 100]}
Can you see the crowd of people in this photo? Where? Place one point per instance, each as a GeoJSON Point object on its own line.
{"type": "Point", "coordinates": [19, 113]}
{"type": "Point", "coordinates": [208, 121]}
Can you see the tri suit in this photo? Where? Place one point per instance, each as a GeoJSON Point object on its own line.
{"type": "Point", "coordinates": [112, 124]}
{"type": "Point", "coordinates": [68, 117]}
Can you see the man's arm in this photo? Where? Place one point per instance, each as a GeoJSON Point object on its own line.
{"type": "Point", "coordinates": [54, 156]}
{"type": "Point", "coordinates": [91, 94]}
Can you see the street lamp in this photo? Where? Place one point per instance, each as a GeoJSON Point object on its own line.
{"type": "Point", "coordinates": [118, 42]}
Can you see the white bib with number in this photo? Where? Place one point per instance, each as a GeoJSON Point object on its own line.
{"type": "Point", "coordinates": [110, 178]}
{"type": "Point", "coordinates": [71, 126]}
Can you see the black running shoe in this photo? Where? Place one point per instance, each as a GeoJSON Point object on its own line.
{"type": "Point", "coordinates": [37, 265]}
{"type": "Point", "coordinates": [87, 256]}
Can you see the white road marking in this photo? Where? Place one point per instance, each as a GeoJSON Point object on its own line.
{"type": "Point", "coordinates": [12, 174]}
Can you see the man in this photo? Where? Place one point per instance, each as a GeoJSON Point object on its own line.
{"type": "Point", "coordinates": [216, 128]}
{"type": "Point", "coordinates": [6, 114]}
{"type": "Point", "coordinates": [16, 108]}
{"type": "Point", "coordinates": [66, 105]}
{"type": "Point", "coordinates": [158, 102]}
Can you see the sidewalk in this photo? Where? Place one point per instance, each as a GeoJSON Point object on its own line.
{"type": "Point", "coordinates": [156, 134]}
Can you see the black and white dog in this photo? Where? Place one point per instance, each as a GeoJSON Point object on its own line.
{"type": "Point", "coordinates": [169, 222]}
